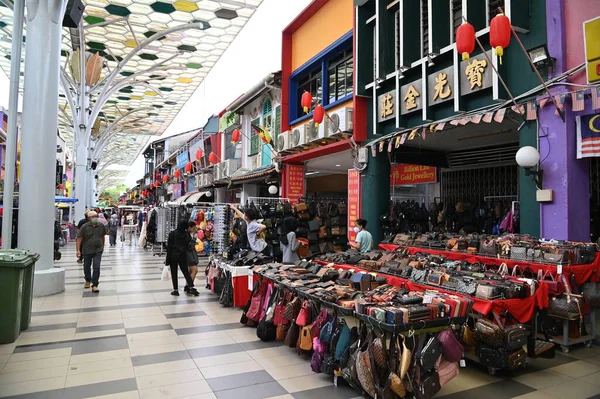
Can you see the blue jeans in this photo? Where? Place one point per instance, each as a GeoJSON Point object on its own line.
{"type": "Point", "coordinates": [88, 260]}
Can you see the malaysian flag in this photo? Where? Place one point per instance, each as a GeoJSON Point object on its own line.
{"type": "Point", "coordinates": [413, 134]}
{"type": "Point", "coordinates": [440, 126]}
{"type": "Point", "coordinates": [373, 151]}
{"type": "Point", "coordinates": [543, 102]}
{"type": "Point", "coordinates": [454, 122]}
{"type": "Point", "coordinates": [432, 128]}
{"type": "Point", "coordinates": [531, 111]}
{"type": "Point", "coordinates": [487, 118]}
{"type": "Point", "coordinates": [403, 138]}
{"type": "Point", "coordinates": [398, 142]}
{"type": "Point", "coordinates": [464, 121]}
{"type": "Point", "coordinates": [476, 119]}
{"type": "Point", "coordinates": [588, 136]}
{"type": "Point", "coordinates": [578, 100]}
{"type": "Point", "coordinates": [560, 101]}
{"type": "Point", "coordinates": [500, 115]}
{"type": "Point", "coordinates": [596, 97]}
{"type": "Point", "coordinates": [390, 145]}
{"type": "Point", "coordinates": [424, 133]}
{"type": "Point", "coordinates": [381, 145]}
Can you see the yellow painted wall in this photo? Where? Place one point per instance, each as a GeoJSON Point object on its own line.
{"type": "Point", "coordinates": [330, 23]}
{"type": "Point", "coordinates": [329, 111]}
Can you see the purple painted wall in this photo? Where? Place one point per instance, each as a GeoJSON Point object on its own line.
{"type": "Point", "coordinates": [568, 216]}
{"type": "Point", "coordinates": [555, 28]}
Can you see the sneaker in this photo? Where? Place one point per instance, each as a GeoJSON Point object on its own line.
{"type": "Point", "coordinates": [186, 288]}
{"type": "Point", "coordinates": [194, 292]}
{"type": "Point", "coordinates": [175, 293]}
{"type": "Point", "coordinates": [95, 289]}
{"type": "Point", "coordinates": [87, 284]}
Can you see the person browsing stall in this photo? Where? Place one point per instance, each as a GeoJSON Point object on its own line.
{"type": "Point", "coordinates": [288, 242]}
{"type": "Point", "coordinates": [90, 244]}
{"type": "Point", "coordinates": [178, 244]}
{"type": "Point", "coordinates": [364, 239]}
{"type": "Point", "coordinates": [253, 230]}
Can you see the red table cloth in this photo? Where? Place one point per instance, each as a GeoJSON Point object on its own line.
{"type": "Point", "coordinates": [582, 273]}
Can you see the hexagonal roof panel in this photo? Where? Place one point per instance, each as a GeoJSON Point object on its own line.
{"type": "Point", "coordinates": [115, 28]}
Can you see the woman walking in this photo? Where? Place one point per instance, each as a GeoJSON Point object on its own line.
{"type": "Point", "coordinates": [177, 250]}
{"type": "Point", "coordinates": [192, 256]}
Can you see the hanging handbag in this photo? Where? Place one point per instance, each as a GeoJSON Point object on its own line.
{"type": "Point", "coordinates": [292, 335]}
{"type": "Point", "coordinates": [364, 370]}
{"type": "Point", "coordinates": [447, 371]}
{"type": "Point", "coordinates": [279, 313]}
{"type": "Point", "coordinates": [429, 386]}
{"type": "Point", "coordinates": [257, 303]}
{"type": "Point", "coordinates": [292, 309]}
{"type": "Point", "coordinates": [281, 332]}
{"type": "Point", "coordinates": [452, 349]}
{"type": "Point", "coordinates": [568, 305]}
{"type": "Point", "coordinates": [428, 353]}
{"type": "Point", "coordinates": [304, 317]}
{"type": "Point", "coordinates": [306, 340]}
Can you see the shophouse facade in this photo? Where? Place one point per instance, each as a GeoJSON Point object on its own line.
{"type": "Point", "coordinates": [318, 58]}
{"type": "Point", "coordinates": [429, 107]}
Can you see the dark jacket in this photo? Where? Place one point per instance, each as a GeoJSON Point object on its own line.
{"type": "Point", "coordinates": [178, 244]}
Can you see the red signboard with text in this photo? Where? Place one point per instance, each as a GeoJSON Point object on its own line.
{"type": "Point", "coordinates": [354, 196]}
{"type": "Point", "coordinates": [402, 174]}
{"type": "Point", "coordinates": [294, 183]}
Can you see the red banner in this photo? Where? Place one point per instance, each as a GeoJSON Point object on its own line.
{"type": "Point", "coordinates": [354, 196]}
{"type": "Point", "coordinates": [403, 173]}
{"type": "Point", "coordinates": [294, 182]}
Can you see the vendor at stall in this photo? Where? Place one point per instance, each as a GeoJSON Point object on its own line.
{"type": "Point", "coordinates": [364, 239]}
{"type": "Point", "coordinates": [254, 230]}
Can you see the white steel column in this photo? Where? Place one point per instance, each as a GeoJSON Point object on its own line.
{"type": "Point", "coordinates": [38, 141]}
{"type": "Point", "coordinates": [80, 186]}
{"type": "Point", "coordinates": [12, 133]}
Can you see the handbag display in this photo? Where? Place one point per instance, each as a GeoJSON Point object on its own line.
{"type": "Point", "coordinates": [281, 332]}
{"type": "Point", "coordinates": [428, 353]}
{"type": "Point", "coordinates": [495, 358]}
{"type": "Point", "coordinates": [566, 306]}
{"type": "Point", "coordinates": [518, 253]}
{"type": "Point", "coordinates": [292, 309]}
{"type": "Point", "coordinates": [306, 339]}
{"type": "Point", "coordinates": [257, 303]}
{"type": "Point", "coordinates": [304, 316]}
{"type": "Point", "coordinates": [488, 332]}
{"type": "Point", "coordinates": [452, 349]}
{"type": "Point", "coordinates": [291, 338]}
{"type": "Point", "coordinates": [447, 371]}
{"type": "Point", "coordinates": [515, 336]}
{"type": "Point", "coordinates": [429, 386]}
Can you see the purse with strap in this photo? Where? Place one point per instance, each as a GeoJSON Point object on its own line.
{"type": "Point", "coordinates": [489, 332]}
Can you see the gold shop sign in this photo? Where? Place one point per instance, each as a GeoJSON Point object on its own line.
{"type": "Point", "coordinates": [440, 86]}
{"type": "Point", "coordinates": [476, 74]}
{"type": "Point", "coordinates": [386, 106]}
{"type": "Point", "coordinates": [411, 98]}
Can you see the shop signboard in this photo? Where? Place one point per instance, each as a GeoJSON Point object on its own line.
{"type": "Point", "coordinates": [476, 74]}
{"type": "Point", "coordinates": [404, 174]}
{"type": "Point", "coordinates": [440, 86]}
{"type": "Point", "coordinates": [191, 186]}
{"type": "Point", "coordinates": [294, 183]}
{"type": "Point", "coordinates": [411, 97]}
{"type": "Point", "coordinates": [354, 196]}
{"type": "Point", "coordinates": [183, 159]}
{"type": "Point", "coordinates": [386, 106]}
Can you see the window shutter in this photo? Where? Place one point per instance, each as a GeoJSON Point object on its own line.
{"type": "Point", "coordinates": [277, 125]}
{"type": "Point", "coordinates": [254, 139]}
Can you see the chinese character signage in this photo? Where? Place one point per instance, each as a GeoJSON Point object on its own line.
{"type": "Point", "coordinates": [403, 174]}
{"type": "Point", "coordinates": [386, 106]}
{"type": "Point", "coordinates": [440, 86]}
{"type": "Point", "coordinates": [182, 159]}
{"type": "Point", "coordinates": [410, 97]}
{"type": "Point", "coordinates": [354, 196]}
{"type": "Point", "coordinates": [476, 74]}
{"type": "Point", "coordinates": [294, 182]}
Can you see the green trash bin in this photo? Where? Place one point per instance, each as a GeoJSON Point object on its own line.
{"type": "Point", "coordinates": [15, 267]}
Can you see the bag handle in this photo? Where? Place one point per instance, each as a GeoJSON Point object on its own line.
{"type": "Point", "coordinates": [514, 272]}
{"type": "Point", "coordinates": [503, 270]}
{"type": "Point", "coordinates": [566, 284]}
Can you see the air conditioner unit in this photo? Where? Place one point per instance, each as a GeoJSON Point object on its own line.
{"type": "Point", "coordinates": [218, 170]}
{"type": "Point", "coordinates": [283, 141]}
{"type": "Point", "coordinates": [297, 137]}
{"type": "Point", "coordinates": [341, 120]}
{"type": "Point", "coordinates": [320, 133]}
{"type": "Point", "coordinates": [254, 162]}
{"type": "Point", "coordinates": [207, 179]}
{"type": "Point", "coordinates": [224, 170]}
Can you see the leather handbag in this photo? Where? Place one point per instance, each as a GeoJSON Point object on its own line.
{"type": "Point", "coordinates": [494, 358]}
{"type": "Point", "coordinates": [418, 275]}
{"type": "Point", "coordinates": [429, 386]}
{"type": "Point", "coordinates": [291, 338]}
{"type": "Point", "coordinates": [447, 371]}
{"type": "Point", "coordinates": [281, 332]}
{"type": "Point", "coordinates": [467, 336]}
{"type": "Point", "coordinates": [467, 285]}
{"type": "Point", "coordinates": [566, 306]}
{"type": "Point", "coordinates": [489, 332]}
{"type": "Point", "coordinates": [279, 313]}
{"type": "Point", "coordinates": [488, 248]}
{"type": "Point", "coordinates": [364, 370]}
{"type": "Point", "coordinates": [554, 287]}
{"type": "Point", "coordinates": [516, 359]}
{"type": "Point", "coordinates": [428, 352]}
{"type": "Point", "coordinates": [304, 316]}
{"type": "Point", "coordinates": [518, 253]}
{"type": "Point", "coordinates": [452, 349]}
{"type": "Point", "coordinates": [292, 309]}
{"type": "Point", "coordinates": [558, 258]}
{"type": "Point", "coordinates": [515, 336]}
{"type": "Point", "coordinates": [256, 303]}
{"type": "Point", "coordinates": [306, 341]}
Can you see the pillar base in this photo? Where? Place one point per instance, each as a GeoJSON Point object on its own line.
{"type": "Point", "coordinates": [48, 282]}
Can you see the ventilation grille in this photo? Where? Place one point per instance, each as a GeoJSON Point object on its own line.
{"type": "Point", "coordinates": [494, 156]}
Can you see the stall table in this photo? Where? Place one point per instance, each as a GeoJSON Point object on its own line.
{"type": "Point", "coordinates": [242, 290]}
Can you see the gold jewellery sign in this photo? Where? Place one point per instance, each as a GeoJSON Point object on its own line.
{"type": "Point", "coordinates": [476, 74]}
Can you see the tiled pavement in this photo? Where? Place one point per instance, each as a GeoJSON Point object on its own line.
{"type": "Point", "coordinates": [134, 340]}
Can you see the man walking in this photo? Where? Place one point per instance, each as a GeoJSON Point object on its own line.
{"type": "Point", "coordinates": [79, 225]}
{"type": "Point", "coordinates": [90, 244]}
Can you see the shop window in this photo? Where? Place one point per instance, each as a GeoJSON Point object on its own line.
{"type": "Point", "coordinates": [254, 139]}
{"type": "Point", "coordinates": [341, 75]}
{"type": "Point", "coordinates": [312, 83]}
{"type": "Point", "coordinates": [232, 151]}
{"type": "Point", "coordinates": [493, 6]}
{"type": "Point", "coordinates": [276, 126]}
{"type": "Point", "coordinates": [457, 13]}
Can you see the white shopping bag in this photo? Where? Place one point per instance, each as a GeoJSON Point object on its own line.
{"type": "Point", "coordinates": [166, 274]}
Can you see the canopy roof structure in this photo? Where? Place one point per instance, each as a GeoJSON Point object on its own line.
{"type": "Point", "coordinates": [178, 62]}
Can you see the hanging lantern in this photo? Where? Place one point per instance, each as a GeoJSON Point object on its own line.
{"type": "Point", "coordinates": [165, 178]}
{"type": "Point", "coordinates": [235, 136]}
{"type": "Point", "coordinates": [500, 31]}
{"type": "Point", "coordinates": [188, 167]}
{"type": "Point", "coordinates": [177, 174]}
{"type": "Point", "coordinates": [212, 158]}
{"type": "Point", "coordinates": [318, 115]}
{"type": "Point", "coordinates": [306, 101]}
{"type": "Point", "coordinates": [61, 187]}
{"type": "Point", "coordinates": [465, 40]}
{"type": "Point", "coordinates": [199, 155]}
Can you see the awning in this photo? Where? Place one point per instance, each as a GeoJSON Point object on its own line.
{"type": "Point", "coordinates": [65, 199]}
{"type": "Point", "coordinates": [255, 174]}
{"type": "Point", "coordinates": [61, 205]}
{"type": "Point", "coordinates": [195, 197]}
{"type": "Point", "coordinates": [180, 200]}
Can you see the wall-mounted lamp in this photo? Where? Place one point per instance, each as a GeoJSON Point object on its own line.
{"type": "Point", "coordinates": [528, 157]}
{"type": "Point", "coordinates": [540, 57]}
{"type": "Point", "coordinates": [273, 189]}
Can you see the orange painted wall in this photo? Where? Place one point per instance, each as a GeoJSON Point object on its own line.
{"type": "Point", "coordinates": [330, 23]}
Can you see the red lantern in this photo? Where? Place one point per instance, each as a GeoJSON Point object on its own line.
{"type": "Point", "coordinates": [61, 187]}
{"type": "Point", "coordinates": [177, 174]}
{"type": "Point", "coordinates": [318, 115]}
{"type": "Point", "coordinates": [500, 31]}
{"type": "Point", "coordinates": [212, 158]}
{"type": "Point", "coordinates": [306, 101]}
{"type": "Point", "coordinates": [165, 178]}
{"type": "Point", "coordinates": [188, 167]}
{"type": "Point", "coordinates": [465, 40]}
{"type": "Point", "coordinates": [199, 155]}
{"type": "Point", "coordinates": [235, 136]}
